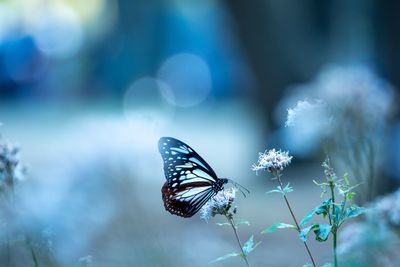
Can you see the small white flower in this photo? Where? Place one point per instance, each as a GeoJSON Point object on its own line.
{"type": "Point", "coordinates": [272, 160]}
{"type": "Point", "coordinates": [218, 204]}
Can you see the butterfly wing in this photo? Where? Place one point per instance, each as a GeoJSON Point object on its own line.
{"type": "Point", "coordinates": [186, 202]}
{"type": "Point", "coordinates": [178, 156]}
{"type": "Point", "coordinates": [190, 179]}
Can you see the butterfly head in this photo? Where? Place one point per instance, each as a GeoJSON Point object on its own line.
{"type": "Point", "coordinates": [219, 184]}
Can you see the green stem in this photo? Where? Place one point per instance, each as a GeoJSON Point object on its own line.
{"type": "Point", "coordinates": [278, 177]}
{"type": "Point", "coordinates": [334, 248]}
{"type": "Point", "coordinates": [334, 222]}
{"type": "Point", "coordinates": [9, 204]}
{"type": "Point", "coordinates": [371, 176]}
{"type": "Point", "coordinates": [343, 210]}
{"type": "Point", "coordinates": [232, 223]}
{"type": "Point", "coordinates": [332, 186]}
{"type": "Point", "coordinates": [34, 257]}
{"type": "Point", "coordinates": [33, 254]}
{"type": "Point", "coordinates": [8, 257]}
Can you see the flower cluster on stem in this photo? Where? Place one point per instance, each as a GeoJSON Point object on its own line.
{"type": "Point", "coordinates": [222, 204]}
{"type": "Point", "coordinates": [274, 162]}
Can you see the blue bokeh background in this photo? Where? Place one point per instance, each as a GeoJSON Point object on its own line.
{"type": "Point", "coordinates": [88, 87]}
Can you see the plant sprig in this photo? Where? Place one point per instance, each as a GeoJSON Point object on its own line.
{"type": "Point", "coordinates": [335, 211]}
{"type": "Point", "coordinates": [274, 161]}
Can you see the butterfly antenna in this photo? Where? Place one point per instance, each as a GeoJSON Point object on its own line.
{"type": "Point", "coordinates": [239, 187]}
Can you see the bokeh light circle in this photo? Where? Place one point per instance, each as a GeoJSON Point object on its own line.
{"type": "Point", "coordinates": [188, 77]}
{"type": "Point", "coordinates": [59, 33]}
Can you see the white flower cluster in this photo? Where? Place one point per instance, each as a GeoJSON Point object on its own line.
{"type": "Point", "coordinates": [348, 88]}
{"type": "Point", "coordinates": [341, 98]}
{"type": "Point", "coordinates": [387, 209]}
{"type": "Point", "coordinates": [219, 204]}
{"type": "Point", "coordinates": [272, 160]}
{"type": "Point", "coordinates": [356, 88]}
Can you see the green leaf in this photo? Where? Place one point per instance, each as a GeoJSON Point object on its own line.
{"type": "Point", "coordinates": [307, 218]}
{"type": "Point", "coordinates": [223, 224]}
{"type": "Point", "coordinates": [316, 183]}
{"type": "Point", "coordinates": [304, 232]}
{"type": "Point", "coordinates": [285, 190]}
{"type": "Point", "coordinates": [249, 246]}
{"type": "Point", "coordinates": [276, 226]}
{"type": "Point", "coordinates": [321, 232]}
{"type": "Point", "coordinates": [323, 184]}
{"type": "Point", "coordinates": [350, 195]}
{"type": "Point", "coordinates": [275, 190]}
{"type": "Point", "coordinates": [321, 209]}
{"type": "Point", "coordinates": [307, 265]}
{"type": "Point", "coordinates": [344, 190]}
{"type": "Point", "coordinates": [236, 224]}
{"type": "Point", "coordinates": [243, 222]}
{"type": "Point", "coordinates": [346, 179]}
{"type": "Point", "coordinates": [353, 211]}
{"type": "Point", "coordinates": [327, 264]}
{"type": "Point", "coordinates": [288, 189]}
{"type": "Point", "coordinates": [233, 254]}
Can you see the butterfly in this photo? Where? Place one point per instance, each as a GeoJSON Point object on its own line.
{"type": "Point", "coordinates": [191, 182]}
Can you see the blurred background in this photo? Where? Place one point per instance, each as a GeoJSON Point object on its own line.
{"type": "Point", "coordinates": [88, 87]}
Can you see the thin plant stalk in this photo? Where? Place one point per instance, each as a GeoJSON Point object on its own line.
{"type": "Point", "coordinates": [334, 226]}
{"type": "Point", "coordinates": [371, 165]}
{"type": "Point", "coordinates": [278, 177]}
{"type": "Point", "coordinates": [232, 223]}
{"type": "Point", "coordinates": [34, 257]}
{"type": "Point", "coordinates": [9, 202]}
{"type": "Point", "coordinates": [8, 249]}
{"type": "Point", "coordinates": [334, 249]}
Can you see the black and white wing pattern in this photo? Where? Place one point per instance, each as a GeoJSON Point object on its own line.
{"type": "Point", "coordinates": [191, 182]}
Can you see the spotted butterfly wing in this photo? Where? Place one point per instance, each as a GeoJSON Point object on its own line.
{"type": "Point", "coordinates": [191, 182]}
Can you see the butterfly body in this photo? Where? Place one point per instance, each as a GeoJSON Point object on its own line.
{"type": "Point", "coordinates": [191, 182]}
